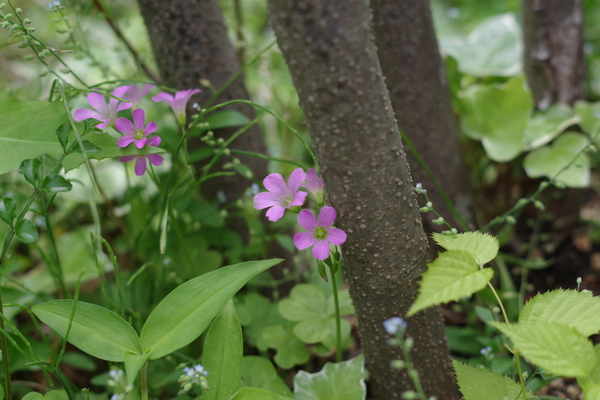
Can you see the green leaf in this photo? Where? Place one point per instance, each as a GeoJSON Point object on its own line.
{"type": "Point", "coordinates": [493, 48]}
{"type": "Point", "coordinates": [591, 384]}
{"type": "Point", "coordinates": [549, 160]}
{"type": "Point", "coordinates": [30, 169]}
{"type": "Point", "coordinates": [252, 393]}
{"type": "Point", "coordinates": [63, 132]}
{"type": "Point", "coordinates": [226, 119]}
{"type": "Point", "coordinates": [26, 231]}
{"type": "Point", "coordinates": [305, 301]}
{"type": "Point", "coordinates": [186, 312]}
{"type": "Point", "coordinates": [322, 330]}
{"type": "Point", "coordinates": [478, 383]}
{"type": "Point", "coordinates": [259, 372]}
{"type": "Point", "coordinates": [548, 124]}
{"type": "Point", "coordinates": [133, 364]}
{"type": "Point", "coordinates": [33, 396]}
{"type": "Point", "coordinates": [454, 274]}
{"type": "Point", "coordinates": [589, 115]}
{"type": "Point", "coordinates": [560, 349]}
{"type": "Point", "coordinates": [289, 349]}
{"type": "Point", "coordinates": [481, 246]}
{"type": "Point", "coordinates": [28, 131]}
{"type": "Point", "coordinates": [341, 381]}
{"type": "Point", "coordinates": [222, 355]}
{"type": "Point", "coordinates": [88, 147]}
{"type": "Point", "coordinates": [497, 115]}
{"type": "Point", "coordinates": [56, 183]}
{"type": "Point", "coordinates": [258, 313]}
{"type": "Point", "coordinates": [579, 310]}
{"type": "Point", "coordinates": [94, 329]}
{"type": "Point", "coordinates": [8, 210]}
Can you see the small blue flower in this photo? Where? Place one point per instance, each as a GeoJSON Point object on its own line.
{"type": "Point", "coordinates": [394, 325]}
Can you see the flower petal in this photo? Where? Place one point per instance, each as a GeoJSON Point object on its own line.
{"type": "Point", "coordinates": [313, 183]}
{"type": "Point", "coordinates": [155, 159]}
{"type": "Point", "coordinates": [124, 125]}
{"type": "Point", "coordinates": [304, 240]}
{"type": "Point", "coordinates": [139, 118]}
{"type": "Point", "coordinates": [307, 220]}
{"type": "Point", "coordinates": [275, 213]}
{"type": "Point", "coordinates": [295, 179]}
{"type": "Point", "coordinates": [126, 158]}
{"type": "Point", "coordinates": [86, 113]}
{"type": "Point", "coordinates": [141, 143]}
{"type": "Point", "coordinates": [154, 141]}
{"type": "Point", "coordinates": [164, 96]}
{"type": "Point", "coordinates": [125, 140]}
{"type": "Point", "coordinates": [326, 217]}
{"type": "Point", "coordinates": [151, 128]}
{"type": "Point", "coordinates": [298, 199]}
{"type": "Point", "coordinates": [98, 102]}
{"type": "Point", "coordinates": [336, 236]}
{"type": "Point", "coordinates": [121, 91]}
{"type": "Point", "coordinates": [124, 106]}
{"type": "Point", "coordinates": [321, 250]}
{"type": "Point", "coordinates": [140, 166]}
{"type": "Point", "coordinates": [274, 183]}
{"type": "Point", "coordinates": [265, 200]}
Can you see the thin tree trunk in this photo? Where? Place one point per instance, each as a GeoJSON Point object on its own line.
{"type": "Point", "coordinates": [554, 62]}
{"type": "Point", "coordinates": [329, 49]}
{"type": "Point", "coordinates": [416, 78]}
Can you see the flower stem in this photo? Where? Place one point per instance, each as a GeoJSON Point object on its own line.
{"type": "Point", "coordinates": [518, 361]}
{"type": "Point", "coordinates": [338, 327]}
{"type": "Point", "coordinates": [144, 381]}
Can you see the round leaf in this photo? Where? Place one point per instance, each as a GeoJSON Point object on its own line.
{"type": "Point", "coordinates": [55, 184]}
{"type": "Point", "coordinates": [26, 231]}
{"type": "Point", "coordinates": [8, 208]}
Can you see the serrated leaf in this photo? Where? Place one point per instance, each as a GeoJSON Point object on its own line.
{"type": "Point", "coordinates": [26, 231]}
{"type": "Point", "coordinates": [547, 124]}
{"type": "Point", "coordinates": [580, 310]}
{"type": "Point", "coordinates": [341, 381]}
{"type": "Point", "coordinates": [186, 312]}
{"type": "Point", "coordinates": [8, 210]}
{"type": "Point", "coordinates": [63, 132]}
{"type": "Point", "coordinates": [591, 384]}
{"type": "Point", "coordinates": [483, 247]}
{"type": "Point", "coordinates": [497, 115]}
{"type": "Point", "coordinates": [454, 274]}
{"type": "Point", "coordinates": [478, 383]}
{"type": "Point", "coordinates": [30, 169]}
{"type": "Point", "coordinates": [28, 131]}
{"type": "Point", "coordinates": [54, 183]}
{"type": "Point", "coordinates": [259, 372]}
{"type": "Point", "coordinates": [88, 147]}
{"type": "Point", "coordinates": [560, 349]}
{"type": "Point", "coordinates": [94, 329]}
{"type": "Point", "coordinates": [549, 160]}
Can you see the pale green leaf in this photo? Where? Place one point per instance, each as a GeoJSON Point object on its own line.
{"type": "Point", "coordinates": [133, 365]}
{"type": "Point", "coordinates": [305, 301]}
{"type": "Point", "coordinates": [560, 349]}
{"type": "Point", "coordinates": [549, 160]}
{"type": "Point", "coordinates": [591, 383]}
{"type": "Point", "coordinates": [481, 246]}
{"type": "Point", "coordinates": [94, 329]}
{"type": "Point", "coordinates": [252, 393]}
{"type": "Point", "coordinates": [222, 355]}
{"type": "Point", "coordinates": [289, 349]}
{"type": "Point", "coordinates": [454, 274]}
{"type": "Point", "coordinates": [589, 115]}
{"type": "Point", "coordinates": [28, 131]}
{"type": "Point", "coordinates": [187, 311]}
{"type": "Point", "coordinates": [548, 124]}
{"type": "Point", "coordinates": [581, 310]}
{"type": "Point", "coordinates": [259, 372]}
{"type": "Point", "coordinates": [341, 381]}
{"type": "Point", "coordinates": [479, 383]}
{"type": "Point", "coordinates": [322, 330]}
{"type": "Point", "coordinates": [497, 115]}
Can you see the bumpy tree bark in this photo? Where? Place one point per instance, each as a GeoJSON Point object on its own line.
{"type": "Point", "coordinates": [416, 78]}
{"type": "Point", "coordinates": [332, 58]}
{"type": "Point", "coordinates": [190, 43]}
{"type": "Point", "coordinates": [554, 61]}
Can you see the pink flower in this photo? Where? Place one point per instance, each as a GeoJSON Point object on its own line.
{"type": "Point", "coordinates": [107, 113]}
{"type": "Point", "coordinates": [280, 196]}
{"type": "Point", "coordinates": [135, 131]}
{"type": "Point", "coordinates": [320, 232]}
{"type": "Point", "coordinates": [177, 102]}
{"type": "Point", "coordinates": [135, 95]}
{"type": "Point", "coordinates": [315, 185]}
{"type": "Point", "coordinates": [140, 163]}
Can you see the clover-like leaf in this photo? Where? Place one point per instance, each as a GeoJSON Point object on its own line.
{"type": "Point", "coordinates": [339, 381]}
{"type": "Point", "coordinates": [547, 124]}
{"type": "Point", "coordinates": [289, 349]}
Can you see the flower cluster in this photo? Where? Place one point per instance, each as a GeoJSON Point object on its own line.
{"type": "Point", "coordinates": [281, 196]}
{"type": "Point", "coordinates": [195, 376]}
{"type": "Point", "coordinates": [135, 132]}
{"type": "Point", "coordinates": [118, 384]}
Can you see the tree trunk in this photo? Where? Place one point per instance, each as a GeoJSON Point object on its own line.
{"type": "Point", "coordinates": [190, 43]}
{"type": "Point", "coordinates": [416, 78]}
{"type": "Point", "coordinates": [554, 62]}
{"type": "Point", "coordinates": [329, 49]}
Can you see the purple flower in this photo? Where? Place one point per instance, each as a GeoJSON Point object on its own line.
{"type": "Point", "coordinates": [135, 95]}
{"type": "Point", "coordinates": [177, 102]}
{"type": "Point", "coordinates": [315, 185]}
{"type": "Point", "coordinates": [320, 232]}
{"type": "Point", "coordinates": [102, 111]}
{"type": "Point", "coordinates": [135, 131]}
{"type": "Point", "coordinates": [280, 196]}
{"type": "Point", "coordinates": [140, 163]}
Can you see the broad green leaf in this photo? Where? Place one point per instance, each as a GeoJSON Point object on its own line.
{"type": "Point", "coordinates": [104, 146]}
{"type": "Point", "coordinates": [560, 349]}
{"type": "Point", "coordinates": [226, 119]}
{"type": "Point", "coordinates": [341, 381]}
{"type": "Point", "coordinates": [589, 115]}
{"type": "Point", "coordinates": [322, 330]}
{"type": "Point", "coordinates": [549, 160]}
{"type": "Point", "coordinates": [187, 311]}
{"type": "Point", "coordinates": [30, 170]}
{"type": "Point", "coordinates": [548, 124]}
{"type": "Point", "coordinates": [8, 210]}
{"type": "Point", "coordinates": [289, 349]}
{"type": "Point", "coordinates": [94, 329]}
{"type": "Point", "coordinates": [28, 131]}
{"type": "Point", "coordinates": [478, 383]}
{"type": "Point", "coordinates": [222, 355]}
{"type": "Point", "coordinates": [591, 384]}
{"type": "Point", "coordinates": [26, 231]}
{"type": "Point", "coordinates": [56, 183]}
{"type": "Point", "coordinates": [256, 313]}
{"type": "Point", "coordinates": [481, 246]}
{"type": "Point", "coordinates": [580, 310]}
{"type": "Point", "coordinates": [133, 364]}
{"type": "Point", "coordinates": [258, 372]}
{"type": "Point", "coordinates": [305, 301]}
{"type": "Point", "coordinates": [252, 393]}
{"type": "Point", "coordinates": [497, 115]}
{"type": "Point", "coordinates": [454, 274]}
{"type": "Point", "coordinates": [33, 396]}
{"type": "Point", "coordinates": [493, 48]}
{"type": "Point", "coordinates": [62, 133]}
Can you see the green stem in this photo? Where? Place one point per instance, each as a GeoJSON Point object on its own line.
{"type": "Point", "coordinates": [144, 381]}
{"type": "Point", "coordinates": [412, 372]}
{"type": "Point", "coordinates": [338, 326]}
{"type": "Point", "coordinates": [518, 361]}
{"type": "Point", "coordinates": [4, 350]}
{"type": "Point", "coordinates": [499, 302]}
